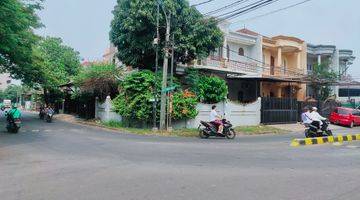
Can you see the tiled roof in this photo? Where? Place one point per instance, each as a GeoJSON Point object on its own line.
{"type": "Point", "coordinates": [247, 31]}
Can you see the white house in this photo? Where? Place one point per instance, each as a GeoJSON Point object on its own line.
{"type": "Point", "coordinates": [339, 61]}
{"type": "Point", "coordinates": [6, 80]}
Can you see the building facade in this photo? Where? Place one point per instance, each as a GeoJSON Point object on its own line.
{"type": "Point", "coordinates": [110, 55]}
{"type": "Point", "coordinates": [6, 80]}
{"type": "Point", "coordinates": [257, 66]}
{"type": "Point", "coordinates": [339, 60]}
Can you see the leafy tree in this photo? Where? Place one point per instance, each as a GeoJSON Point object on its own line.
{"type": "Point", "coordinates": [133, 30]}
{"type": "Point", "coordinates": [18, 19]}
{"type": "Point", "coordinates": [321, 78]}
{"type": "Point", "coordinates": [57, 64]}
{"type": "Point", "coordinates": [12, 92]}
{"type": "Point", "coordinates": [99, 79]}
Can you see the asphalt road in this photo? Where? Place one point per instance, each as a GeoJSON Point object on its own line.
{"type": "Point", "coordinates": [60, 161]}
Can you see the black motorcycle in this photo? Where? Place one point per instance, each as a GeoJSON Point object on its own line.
{"type": "Point", "coordinates": [48, 116]}
{"type": "Point", "coordinates": [13, 125]}
{"type": "Point", "coordinates": [207, 129]}
{"type": "Point", "coordinates": [42, 113]}
{"type": "Point", "coordinates": [314, 130]}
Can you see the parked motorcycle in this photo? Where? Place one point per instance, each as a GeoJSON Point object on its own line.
{"type": "Point", "coordinates": [13, 124]}
{"type": "Point", "coordinates": [312, 130]}
{"type": "Point", "coordinates": [207, 129]}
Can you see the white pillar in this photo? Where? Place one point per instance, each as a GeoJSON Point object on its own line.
{"type": "Point", "coordinates": [224, 53]}
{"type": "Point", "coordinates": [107, 108]}
{"type": "Point", "coordinates": [96, 107]}
{"type": "Point", "coordinates": [319, 59]}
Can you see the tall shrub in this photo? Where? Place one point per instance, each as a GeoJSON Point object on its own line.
{"type": "Point", "coordinates": [136, 92]}
{"type": "Point", "coordinates": [184, 105]}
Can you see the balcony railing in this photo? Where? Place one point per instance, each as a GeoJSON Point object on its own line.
{"type": "Point", "coordinates": [283, 72]}
{"type": "Point", "coordinates": [229, 65]}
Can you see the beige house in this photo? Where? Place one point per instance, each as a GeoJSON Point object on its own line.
{"type": "Point", "coordinates": [284, 66]}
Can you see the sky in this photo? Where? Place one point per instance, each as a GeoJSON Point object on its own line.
{"type": "Point", "coordinates": [85, 24]}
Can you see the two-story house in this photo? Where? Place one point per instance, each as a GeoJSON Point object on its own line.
{"type": "Point", "coordinates": [284, 66]}
{"type": "Point", "coordinates": [238, 61]}
{"type": "Point", "coordinates": [339, 60]}
{"type": "Point", "coordinates": [257, 66]}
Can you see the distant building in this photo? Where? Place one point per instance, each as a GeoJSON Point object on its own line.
{"type": "Point", "coordinates": [339, 61]}
{"type": "Point", "coordinates": [6, 80]}
{"type": "Point", "coordinates": [110, 55]}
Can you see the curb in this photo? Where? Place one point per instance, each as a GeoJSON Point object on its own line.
{"type": "Point", "coordinates": [323, 140]}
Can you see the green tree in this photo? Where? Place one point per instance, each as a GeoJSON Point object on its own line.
{"type": "Point", "coordinates": [12, 92]}
{"type": "Point", "coordinates": [321, 79]}
{"type": "Point", "coordinates": [99, 79]}
{"type": "Point", "coordinates": [18, 20]}
{"type": "Point", "coordinates": [57, 64]}
{"type": "Point", "coordinates": [133, 30]}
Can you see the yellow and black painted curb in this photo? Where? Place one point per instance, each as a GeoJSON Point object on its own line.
{"type": "Point", "coordinates": [323, 140]}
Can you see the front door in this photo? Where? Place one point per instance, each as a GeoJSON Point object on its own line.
{"type": "Point", "coordinates": [272, 65]}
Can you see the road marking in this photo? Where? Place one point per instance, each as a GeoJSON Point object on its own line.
{"type": "Point", "coordinates": [322, 140]}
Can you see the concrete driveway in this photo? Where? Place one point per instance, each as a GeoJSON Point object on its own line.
{"type": "Point", "coordinates": [60, 161]}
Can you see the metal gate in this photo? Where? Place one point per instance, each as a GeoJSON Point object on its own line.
{"type": "Point", "coordinates": [278, 110]}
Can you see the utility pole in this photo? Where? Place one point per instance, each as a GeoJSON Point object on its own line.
{"type": "Point", "coordinates": [156, 43]}
{"type": "Point", "coordinates": [164, 78]}
{"type": "Point", "coordinates": [171, 82]}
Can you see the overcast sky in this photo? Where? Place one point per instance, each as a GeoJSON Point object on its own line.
{"type": "Point", "coordinates": [85, 24]}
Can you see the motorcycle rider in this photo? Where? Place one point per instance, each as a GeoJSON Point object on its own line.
{"type": "Point", "coordinates": [316, 117]}
{"type": "Point", "coordinates": [216, 120]}
{"type": "Point", "coordinates": [305, 117]}
{"type": "Point", "coordinates": [14, 113]}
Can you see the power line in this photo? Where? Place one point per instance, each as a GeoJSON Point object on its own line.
{"type": "Point", "coordinates": [244, 7]}
{"type": "Point", "coordinates": [226, 7]}
{"type": "Point", "coordinates": [202, 3]}
{"type": "Point", "coordinates": [272, 12]}
{"type": "Point", "coordinates": [252, 8]}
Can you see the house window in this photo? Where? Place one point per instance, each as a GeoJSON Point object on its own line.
{"type": "Point", "coordinates": [228, 52]}
{"type": "Point", "coordinates": [241, 52]}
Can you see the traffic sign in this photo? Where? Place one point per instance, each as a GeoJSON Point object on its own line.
{"type": "Point", "coordinates": [168, 89]}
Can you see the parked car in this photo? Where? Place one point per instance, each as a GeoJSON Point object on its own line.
{"type": "Point", "coordinates": [345, 116]}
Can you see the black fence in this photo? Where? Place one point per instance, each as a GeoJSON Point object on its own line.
{"type": "Point", "coordinates": [84, 109]}
{"type": "Point", "coordinates": [278, 110]}
{"type": "Point", "coordinates": [284, 110]}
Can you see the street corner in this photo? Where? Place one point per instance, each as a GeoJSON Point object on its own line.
{"type": "Point", "coordinates": [325, 140]}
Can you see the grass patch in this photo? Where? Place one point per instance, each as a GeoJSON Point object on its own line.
{"type": "Point", "coordinates": [246, 130]}
{"type": "Point", "coordinates": [143, 131]}
{"type": "Point", "coordinates": [258, 130]}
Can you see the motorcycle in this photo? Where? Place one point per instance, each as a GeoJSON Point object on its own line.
{"type": "Point", "coordinates": [207, 129]}
{"type": "Point", "coordinates": [13, 124]}
{"type": "Point", "coordinates": [312, 130]}
{"type": "Point", "coordinates": [48, 116]}
{"type": "Point", "coordinates": [42, 113]}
